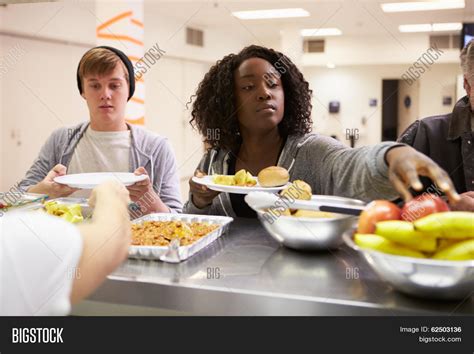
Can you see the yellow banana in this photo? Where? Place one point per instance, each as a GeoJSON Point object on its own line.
{"type": "Point", "coordinates": [460, 251]}
{"type": "Point", "coordinates": [404, 233]}
{"type": "Point", "coordinates": [452, 225]}
{"type": "Point", "coordinates": [381, 244]}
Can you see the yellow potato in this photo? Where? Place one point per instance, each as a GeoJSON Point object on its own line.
{"type": "Point", "coordinates": [224, 180]}
{"type": "Point", "coordinates": [250, 181]}
{"type": "Point", "coordinates": [240, 178]}
{"type": "Point", "coordinates": [313, 214]}
{"type": "Point", "coordinates": [297, 190]}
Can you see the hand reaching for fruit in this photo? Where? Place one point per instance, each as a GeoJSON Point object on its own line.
{"type": "Point", "coordinates": [406, 164]}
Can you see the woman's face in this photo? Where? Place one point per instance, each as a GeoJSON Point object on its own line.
{"type": "Point", "coordinates": [260, 99]}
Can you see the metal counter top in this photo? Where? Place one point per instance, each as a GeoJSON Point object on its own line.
{"type": "Point", "coordinates": [246, 272]}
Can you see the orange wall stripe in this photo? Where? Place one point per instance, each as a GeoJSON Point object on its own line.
{"type": "Point", "coordinates": [139, 80]}
{"type": "Point", "coordinates": [137, 22]}
{"type": "Point", "coordinates": [113, 20]}
{"type": "Point", "coordinates": [132, 58]}
{"type": "Point", "coordinates": [137, 100]}
{"type": "Point", "coordinates": [119, 37]}
{"type": "Point", "coordinates": [140, 120]}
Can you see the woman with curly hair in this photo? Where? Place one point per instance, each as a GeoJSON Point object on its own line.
{"type": "Point", "coordinates": [254, 110]}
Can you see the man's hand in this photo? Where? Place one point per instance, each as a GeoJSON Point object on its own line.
{"type": "Point", "coordinates": [406, 164]}
{"type": "Point", "coordinates": [466, 203]}
{"type": "Point", "coordinates": [143, 194]}
{"type": "Point", "coordinates": [51, 188]}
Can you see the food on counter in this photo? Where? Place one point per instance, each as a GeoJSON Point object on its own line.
{"type": "Point", "coordinates": [68, 212]}
{"type": "Point", "coordinates": [423, 205]}
{"type": "Point", "coordinates": [458, 251]}
{"type": "Point", "coordinates": [301, 190]}
{"type": "Point", "coordinates": [380, 243]}
{"type": "Point", "coordinates": [445, 235]}
{"type": "Point", "coordinates": [242, 178]}
{"type": "Point", "coordinates": [313, 214]}
{"type": "Point", "coordinates": [298, 189]}
{"type": "Point", "coordinates": [376, 211]}
{"type": "Point", "coordinates": [160, 233]}
{"type": "Point", "coordinates": [273, 176]}
{"type": "Point", "coordinates": [450, 225]}
{"type": "Point", "coordinates": [404, 233]}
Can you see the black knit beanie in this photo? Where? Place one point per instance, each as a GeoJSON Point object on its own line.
{"type": "Point", "coordinates": [128, 65]}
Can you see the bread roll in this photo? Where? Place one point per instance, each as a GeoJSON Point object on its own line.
{"type": "Point", "coordinates": [273, 176]}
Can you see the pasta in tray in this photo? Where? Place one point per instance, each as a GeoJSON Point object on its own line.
{"type": "Point", "coordinates": [160, 233]}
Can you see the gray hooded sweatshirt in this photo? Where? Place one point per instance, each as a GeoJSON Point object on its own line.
{"type": "Point", "coordinates": [147, 150]}
{"type": "Point", "coordinates": [328, 166]}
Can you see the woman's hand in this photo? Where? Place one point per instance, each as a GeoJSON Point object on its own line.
{"type": "Point", "coordinates": [201, 195]}
{"type": "Point", "coordinates": [406, 164]}
{"type": "Point", "coordinates": [51, 188]}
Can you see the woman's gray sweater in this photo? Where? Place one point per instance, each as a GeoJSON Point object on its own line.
{"type": "Point", "coordinates": [328, 166]}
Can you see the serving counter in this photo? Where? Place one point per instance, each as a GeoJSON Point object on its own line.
{"type": "Point", "coordinates": [246, 272]}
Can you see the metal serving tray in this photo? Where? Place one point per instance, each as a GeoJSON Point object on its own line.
{"type": "Point", "coordinates": [174, 253]}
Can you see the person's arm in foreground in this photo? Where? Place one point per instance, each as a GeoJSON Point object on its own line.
{"type": "Point", "coordinates": [105, 240]}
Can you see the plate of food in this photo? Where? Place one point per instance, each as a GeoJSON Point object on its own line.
{"type": "Point", "coordinates": [92, 180]}
{"type": "Point", "coordinates": [271, 179]}
{"type": "Point", "coordinates": [174, 237]}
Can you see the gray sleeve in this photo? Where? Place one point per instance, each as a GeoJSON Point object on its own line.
{"type": "Point", "coordinates": [168, 188]}
{"type": "Point", "coordinates": [360, 173]}
{"type": "Point", "coordinates": [45, 161]}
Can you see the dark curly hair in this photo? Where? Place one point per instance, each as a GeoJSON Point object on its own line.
{"type": "Point", "coordinates": [214, 105]}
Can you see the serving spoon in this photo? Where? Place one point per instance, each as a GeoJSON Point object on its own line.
{"type": "Point", "coordinates": [264, 200]}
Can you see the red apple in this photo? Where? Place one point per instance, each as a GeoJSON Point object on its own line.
{"type": "Point", "coordinates": [423, 205]}
{"type": "Point", "coordinates": [376, 211]}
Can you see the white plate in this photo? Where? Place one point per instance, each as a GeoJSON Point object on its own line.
{"type": "Point", "coordinates": [207, 181]}
{"type": "Point", "coordinates": [92, 180]}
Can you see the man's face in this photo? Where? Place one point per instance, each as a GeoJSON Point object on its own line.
{"type": "Point", "coordinates": [106, 98]}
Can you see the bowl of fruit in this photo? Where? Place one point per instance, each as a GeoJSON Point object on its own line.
{"type": "Point", "coordinates": [422, 249]}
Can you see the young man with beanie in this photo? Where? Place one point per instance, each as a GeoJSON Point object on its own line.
{"type": "Point", "coordinates": [107, 143]}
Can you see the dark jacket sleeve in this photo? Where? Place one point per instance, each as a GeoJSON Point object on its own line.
{"type": "Point", "coordinates": [409, 135]}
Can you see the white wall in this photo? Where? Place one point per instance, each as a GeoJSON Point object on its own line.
{"type": "Point", "coordinates": [353, 86]}
{"type": "Point", "coordinates": [376, 50]}
{"type": "Point", "coordinates": [407, 115]}
{"type": "Point", "coordinates": [73, 21]}
{"type": "Point", "coordinates": [39, 91]}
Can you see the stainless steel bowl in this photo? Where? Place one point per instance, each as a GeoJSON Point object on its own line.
{"type": "Point", "coordinates": [310, 233]}
{"type": "Point", "coordinates": [428, 278]}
